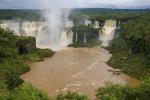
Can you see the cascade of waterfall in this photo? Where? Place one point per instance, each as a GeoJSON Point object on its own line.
{"type": "Point", "coordinates": [88, 23]}
{"type": "Point", "coordinates": [60, 40]}
{"type": "Point", "coordinates": [107, 33]}
{"type": "Point", "coordinates": [39, 29]}
{"type": "Point", "coordinates": [10, 26]}
{"type": "Point", "coordinates": [41, 37]}
{"type": "Point", "coordinates": [76, 37]}
{"type": "Point", "coordinates": [96, 24]}
{"type": "Point", "coordinates": [85, 38]}
{"type": "Point", "coordinates": [66, 38]}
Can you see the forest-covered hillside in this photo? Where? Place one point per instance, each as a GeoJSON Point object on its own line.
{"type": "Point", "coordinates": [131, 50]}
{"type": "Point", "coordinates": [131, 54]}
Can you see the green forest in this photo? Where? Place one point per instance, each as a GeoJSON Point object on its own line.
{"type": "Point", "coordinates": [10, 14]}
{"type": "Point", "coordinates": [130, 51]}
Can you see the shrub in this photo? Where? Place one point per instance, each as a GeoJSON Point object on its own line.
{"type": "Point", "coordinates": [13, 81]}
{"type": "Point", "coordinates": [70, 96]}
{"type": "Point", "coordinates": [118, 92]}
{"type": "Point", "coordinates": [26, 92]}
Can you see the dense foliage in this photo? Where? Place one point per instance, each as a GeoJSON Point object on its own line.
{"type": "Point", "coordinates": [123, 15]}
{"type": "Point", "coordinates": [77, 14]}
{"type": "Point", "coordinates": [7, 44]}
{"type": "Point", "coordinates": [25, 92]}
{"type": "Point", "coordinates": [15, 52]}
{"type": "Point", "coordinates": [10, 14]}
{"type": "Point", "coordinates": [131, 51]}
{"type": "Point", "coordinates": [118, 92]}
{"type": "Point", "coordinates": [13, 81]}
{"type": "Point", "coordinates": [69, 96]}
{"type": "Point", "coordinates": [28, 92]}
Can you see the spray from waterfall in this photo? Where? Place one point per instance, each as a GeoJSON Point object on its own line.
{"type": "Point", "coordinates": [56, 15]}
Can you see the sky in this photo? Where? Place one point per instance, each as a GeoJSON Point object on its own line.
{"type": "Point", "coordinates": [36, 4]}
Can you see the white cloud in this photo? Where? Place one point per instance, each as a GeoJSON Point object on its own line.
{"type": "Point", "coordinates": [76, 3]}
{"type": "Point", "coordinates": [113, 3]}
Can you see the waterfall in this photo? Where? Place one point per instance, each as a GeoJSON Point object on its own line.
{"type": "Point", "coordinates": [76, 37]}
{"type": "Point", "coordinates": [96, 24]}
{"type": "Point", "coordinates": [10, 26]}
{"type": "Point", "coordinates": [85, 38]}
{"type": "Point", "coordinates": [39, 30]}
{"type": "Point", "coordinates": [107, 33]}
{"type": "Point", "coordinates": [88, 23]}
{"type": "Point", "coordinates": [59, 39]}
{"type": "Point", "coordinates": [66, 38]}
{"type": "Point", "coordinates": [41, 37]}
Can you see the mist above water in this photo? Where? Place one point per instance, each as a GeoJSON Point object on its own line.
{"type": "Point", "coordinates": [56, 15]}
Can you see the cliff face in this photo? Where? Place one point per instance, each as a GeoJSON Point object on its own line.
{"type": "Point", "coordinates": [39, 30]}
{"type": "Point", "coordinates": [106, 29]}
{"type": "Point", "coordinates": [23, 28]}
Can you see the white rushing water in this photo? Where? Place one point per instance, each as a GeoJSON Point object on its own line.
{"type": "Point", "coordinates": [107, 33]}
{"type": "Point", "coordinates": [63, 38]}
{"type": "Point", "coordinates": [96, 24]}
{"type": "Point", "coordinates": [56, 16]}
{"type": "Point", "coordinates": [39, 30]}
{"type": "Point", "coordinates": [58, 41]}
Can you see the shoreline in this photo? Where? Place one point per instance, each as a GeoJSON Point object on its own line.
{"type": "Point", "coordinates": [43, 73]}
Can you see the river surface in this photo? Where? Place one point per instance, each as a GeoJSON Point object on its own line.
{"type": "Point", "coordinates": [75, 69]}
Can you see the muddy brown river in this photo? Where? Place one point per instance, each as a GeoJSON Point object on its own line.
{"type": "Point", "coordinates": [75, 69]}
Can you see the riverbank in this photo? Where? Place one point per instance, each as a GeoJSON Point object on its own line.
{"type": "Point", "coordinates": [11, 68]}
{"type": "Point", "coordinates": [15, 54]}
{"type": "Point", "coordinates": [131, 55]}
{"type": "Point", "coordinates": [75, 69]}
{"type": "Point", "coordinates": [11, 86]}
{"type": "Point", "coordinates": [131, 50]}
